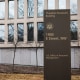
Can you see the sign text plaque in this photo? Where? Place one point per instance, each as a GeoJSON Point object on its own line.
{"type": "Point", "coordinates": [57, 59]}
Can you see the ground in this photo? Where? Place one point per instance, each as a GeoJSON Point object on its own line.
{"type": "Point", "coordinates": [28, 73]}
{"type": "Point", "coordinates": [4, 76]}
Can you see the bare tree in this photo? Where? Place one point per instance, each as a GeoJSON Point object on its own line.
{"type": "Point", "coordinates": [38, 45]}
{"type": "Point", "coordinates": [15, 45]}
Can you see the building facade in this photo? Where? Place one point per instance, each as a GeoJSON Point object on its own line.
{"type": "Point", "coordinates": [22, 25]}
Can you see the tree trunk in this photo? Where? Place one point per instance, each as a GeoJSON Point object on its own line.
{"type": "Point", "coordinates": [14, 58]}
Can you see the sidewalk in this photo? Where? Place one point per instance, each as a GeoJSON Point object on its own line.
{"type": "Point", "coordinates": [21, 76]}
{"type": "Point", "coordinates": [28, 77]}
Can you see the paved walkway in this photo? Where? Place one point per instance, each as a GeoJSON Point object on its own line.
{"type": "Point", "coordinates": [28, 77]}
{"type": "Point", "coordinates": [21, 77]}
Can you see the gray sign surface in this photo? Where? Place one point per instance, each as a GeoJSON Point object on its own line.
{"type": "Point", "coordinates": [57, 58]}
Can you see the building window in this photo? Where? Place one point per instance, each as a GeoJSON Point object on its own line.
{"type": "Point", "coordinates": [20, 8]}
{"type": "Point", "coordinates": [73, 6]}
{"type": "Point", "coordinates": [30, 31]}
{"type": "Point", "coordinates": [51, 4]}
{"type": "Point", "coordinates": [40, 31]}
{"type": "Point", "coordinates": [11, 8]}
{"type": "Point", "coordinates": [62, 4]}
{"type": "Point", "coordinates": [40, 7]}
{"type": "Point", "coordinates": [73, 29]}
{"type": "Point", "coordinates": [20, 32]}
{"type": "Point", "coordinates": [30, 8]}
{"type": "Point", "coordinates": [2, 9]}
{"type": "Point", "coordinates": [10, 32]}
{"type": "Point", "coordinates": [2, 33]}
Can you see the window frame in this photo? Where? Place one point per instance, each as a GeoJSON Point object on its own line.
{"type": "Point", "coordinates": [64, 4]}
{"type": "Point", "coordinates": [70, 9]}
{"type": "Point", "coordinates": [4, 34]}
{"type": "Point", "coordinates": [4, 11]}
{"type": "Point", "coordinates": [33, 31]}
{"type": "Point", "coordinates": [13, 9]}
{"type": "Point", "coordinates": [27, 10]}
{"type": "Point", "coordinates": [77, 31]}
{"type": "Point", "coordinates": [17, 11]}
{"type": "Point", "coordinates": [53, 6]}
{"type": "Point", "coordinates": [8, 33]}
{"type": "Point", "coordinates": [37, 33]}
{"type": "Point", "coordinates": [17, 32]}
{"type": "Point", "coordinates": [37, 10]}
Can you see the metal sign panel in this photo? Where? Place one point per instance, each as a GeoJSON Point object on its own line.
{"type": "Point", "coordinates": [57, 59]}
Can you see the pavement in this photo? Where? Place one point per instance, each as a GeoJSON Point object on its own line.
{"type": "Point", "coordinates": [4, 76]}
{"type": "Point", "coordinates": [21, 76]}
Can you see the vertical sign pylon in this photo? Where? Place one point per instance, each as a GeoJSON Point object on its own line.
{"type": "Point", "coordinates": [57, 58]}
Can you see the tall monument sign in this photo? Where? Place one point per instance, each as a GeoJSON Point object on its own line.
{"type": "Point", "coordinates": [57, 59]}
